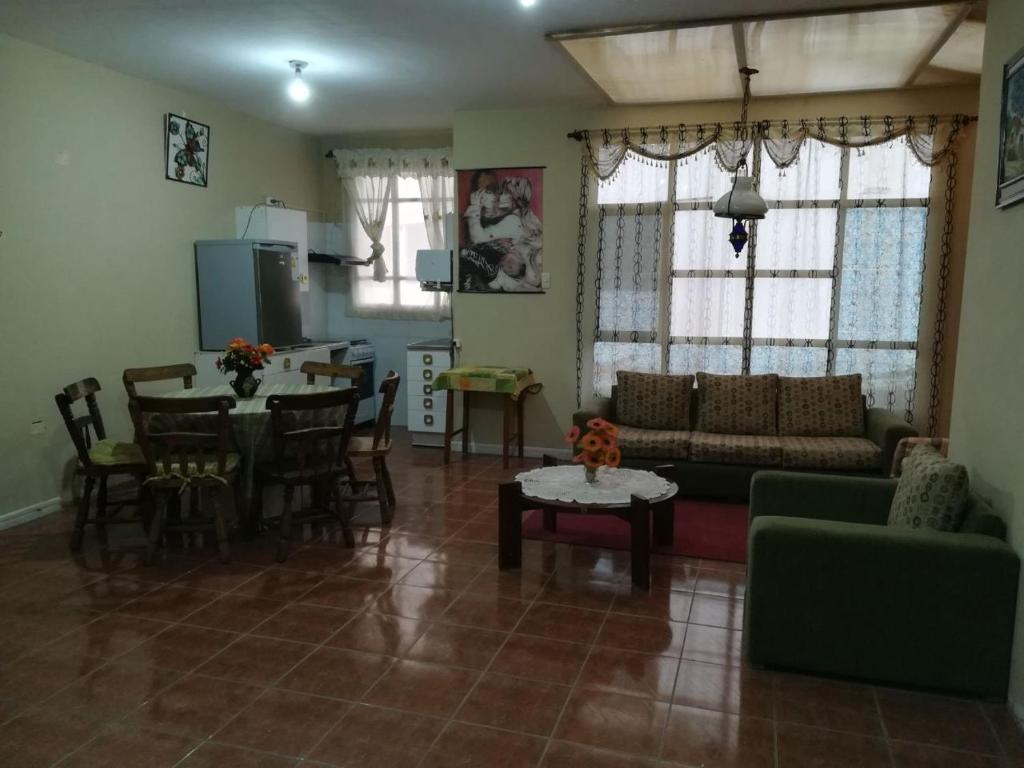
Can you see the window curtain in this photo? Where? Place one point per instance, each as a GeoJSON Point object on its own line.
{"type": "Point", "coordinates": [832, 280]}
{"type": "Point", "coordinates": [370, 193]}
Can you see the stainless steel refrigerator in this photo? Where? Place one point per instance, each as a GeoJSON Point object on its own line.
{"type": "Point", "coordinates": [246, 289]}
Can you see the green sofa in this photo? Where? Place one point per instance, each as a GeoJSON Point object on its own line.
{"type": "Point", "coordinates": [831, 589]}
{"type": "Point", "coordinates": [729, 476]}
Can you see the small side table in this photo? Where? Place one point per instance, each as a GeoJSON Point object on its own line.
{"type": "Point", "coordinates": [632, 495]}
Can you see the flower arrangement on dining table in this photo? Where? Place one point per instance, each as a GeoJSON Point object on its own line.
{"type": "Point", "coordinates": [599, 447]}
{"type": "Point", "coordinates": [243, 358]}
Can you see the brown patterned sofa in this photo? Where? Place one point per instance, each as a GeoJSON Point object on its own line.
{"type": "Point", "coordinates": [719, 434]}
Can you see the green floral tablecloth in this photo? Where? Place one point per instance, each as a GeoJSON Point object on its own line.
{"type": "Point", "coordinates": [487, 378]}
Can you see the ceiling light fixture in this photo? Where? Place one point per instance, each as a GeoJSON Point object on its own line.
{"type": "Point", "coordinates": [742, 201]}
{"type": "Point", "coordinates": [297, 89]}
{"type": "Point", "coordinates": [527, 3]}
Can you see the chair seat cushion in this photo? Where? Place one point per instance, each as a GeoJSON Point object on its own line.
{"type": "Point", "coordinates": [363, 446]}
{"type": "Point", "coordinates": [113, 453]}
{"type": "Point", "coordinates": [851, 453]}
{"type": "Point", "coordinates": [231, 463]}
{"type": "Point", "coordinates": [709, 447]}
{"type": "Point", "coordinates": [654, 443]}
{"type": "Point", "coordinates": [932, 492]}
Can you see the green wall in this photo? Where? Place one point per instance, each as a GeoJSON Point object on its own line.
{"type": "Point", "coordinates": [96, 270]}
{"type": "Point", "coordinates": [988, 401]}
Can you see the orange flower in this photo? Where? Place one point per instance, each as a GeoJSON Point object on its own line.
{"type": "Point", "coordinates": [577, 459]}
{"type": "Point", "coordinates": [266, 349]}
{"type": "Point", "coordinates": [237, 343]}
{"type": "Point", "coordinates": [610, 429]}
{"type": "Point", "coordinates": [613, 457]}
{"type": "Point", "coordinates": [591, 442]}
{"type": "Point", "coordinates": [598, 423]}
{"type": "Point", "coordinates": [572, 436]}
{"type": "Point", "coordinates": [590, 461]}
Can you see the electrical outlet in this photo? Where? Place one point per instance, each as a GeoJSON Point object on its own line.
{"type": "Point", "coordinates": [38, 427]}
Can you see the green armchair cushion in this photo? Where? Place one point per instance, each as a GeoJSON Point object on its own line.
{"type": "Point", "coordinates": [821, 406]}
{"type": "Point", "coordinates": [737, 405]}
{"type": "Point", "coordinates": [653, 400]}
{"type": "Point", "coordinates": [931, 493]}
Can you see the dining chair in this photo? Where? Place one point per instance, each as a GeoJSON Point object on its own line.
{"type": "Point", "coordinates": [132, 376]}
{"type": "Point", "coordinates": [99, 459]}
{"type": "Point", "coordinates": [184, 450]}
{"type": "Point", "coordinates": [311, 442]}
{"type": "Point", "coordinates": [376, 448]}
{"type": "Point", "coordinates": [332, 371]}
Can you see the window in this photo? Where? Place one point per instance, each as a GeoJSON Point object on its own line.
{"type": "Point", "coordinates": [405, 232]}
{"type": "Point", "coordinates": [830, 282]}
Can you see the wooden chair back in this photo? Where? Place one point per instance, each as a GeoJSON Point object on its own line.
{"type": "Point", "coordinates": [312, 369]}
{"type": "Point", "coordinates": [87, 427]}
{"type": "Point", "coordinates": [388, 388]}
{"type": "Point", "coordinates": [170, 447]}
{"type": "Point", "coordinates": [306, 442]}
{"type": "Point", "coordinates": [184, 371]}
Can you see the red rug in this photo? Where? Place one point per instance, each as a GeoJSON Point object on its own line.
{"type": "Point", "coordinates": [706, 529]}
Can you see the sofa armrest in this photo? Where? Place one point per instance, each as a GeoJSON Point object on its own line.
{"type": "Point", "coordinates": [885, 430]}
{"type": "Point", "coordinates": [824, 497]}
{"type": "Point", "coordinates": [908, 606]}
{"type": "Point", "coordinates": [599, 406]}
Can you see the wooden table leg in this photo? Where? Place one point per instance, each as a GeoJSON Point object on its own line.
{"type": "Point", "coordinates": [465, 422]}
{"type": "Point", "coordinates": [506, 427]}
{"type": "Point", "coordinates": [665, 523]}
{"type": "Point", "coordinates": [520, 404]}
{"type": "Point", "coordinates": [640, 545]}
{"type": "Point", "coordinates": [449, 422]}
{"type": "Point", "coordinates": [510, 526]}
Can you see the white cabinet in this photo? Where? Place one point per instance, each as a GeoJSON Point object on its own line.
{"type": "Point", "coordinates": [426, 418]}
{"type": "Point", "coordinates": [268, 223]}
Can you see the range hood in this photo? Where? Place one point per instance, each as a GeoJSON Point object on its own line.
{"type": "Point", "coordinates": [318, 257]}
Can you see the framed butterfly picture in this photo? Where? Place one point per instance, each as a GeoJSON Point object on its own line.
{"type": "Point", "coordinates": [187, 150]}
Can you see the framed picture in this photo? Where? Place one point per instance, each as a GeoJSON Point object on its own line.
{"type": "Point", "coordinates": [186, 150]}
{"type": "Point", "coordinates": [1011, 134]}
{"type": "Point", "coordinates": [501, 232]}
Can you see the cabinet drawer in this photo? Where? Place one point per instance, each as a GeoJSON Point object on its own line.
{"type": "Point", "coordinates": [426, 421]}
{"type": "Point", "coordinates": [419, 374]}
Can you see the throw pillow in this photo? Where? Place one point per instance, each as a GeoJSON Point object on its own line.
{"type": "Point", "coordinates": [821, 406]}
{"type": "Point", "coordinates": [737, 405]}
{"type": "Point", "coordinates": [653, 400]}
{"type": "Point", "coordinates": [931, 493]}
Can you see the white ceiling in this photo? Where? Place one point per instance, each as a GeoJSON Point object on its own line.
{"type": "Point", "coordinates": [374, 64]}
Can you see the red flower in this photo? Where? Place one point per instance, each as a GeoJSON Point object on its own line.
{"type": "Point", "coordinates": [573, 435]}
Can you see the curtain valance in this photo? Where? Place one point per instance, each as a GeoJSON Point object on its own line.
{"type": "Point", "coordinates": [406, 163]}
{"type": "Point", "coordinates": [931, 138]}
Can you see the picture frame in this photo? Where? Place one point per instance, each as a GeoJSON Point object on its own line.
{"type": "Point", "coordinates": [1010, 179]}
{"type": "Point", "coordinates": [186, 150]}
{"type": "Point", "coordinates": [501, 232]}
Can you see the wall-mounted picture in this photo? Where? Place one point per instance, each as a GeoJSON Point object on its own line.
{"type": "Point", "coordinates": [187, 150]}
{"type": "Point", "coordinates": [500, 230]}
{"type": "Point", "coordinates": [1011, 135]}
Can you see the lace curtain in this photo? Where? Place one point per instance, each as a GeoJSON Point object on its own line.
{"type": "Point", "coordinates": [831, 282]}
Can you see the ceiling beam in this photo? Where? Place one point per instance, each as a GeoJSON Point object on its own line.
{"type": "Point", "coordinates": [941, 40]}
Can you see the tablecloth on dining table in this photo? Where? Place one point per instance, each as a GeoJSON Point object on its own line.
{"type": "Point", "coordinates": [486, 378]}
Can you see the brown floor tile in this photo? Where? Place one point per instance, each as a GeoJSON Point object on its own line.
{"type": "Point", "coordinates": [538, 658]}
{"type": "Point", "coordinates": [519, 584]}
{"type": "Point", "coordinates": [563, 754]}
{"type": "Point", "coordinates": [217, 576]}
{"type": "Point", "coordinates": [715, 611]}
{"type": "Point", "coordinates": [370, 737]}
{"type": "Point", "coordinates": [633, 633]}
{"type": "Point", "coordinates": [465, 553]}
{"type": "Point", "coordinates": [379, 633]}
{"type": "Point", "coordinates": [108, 636]}
{"type": "Point", "coordinates": [472, 746]}
{"type": "Point", "coordinates": [214, 755]}
{"type": "Point", "coordinates": [427, 689]}
{"type": "Point", "coordinates": [561, 622]}
{"type": "Point", "coordinates": [169, 603]}
{"type": "Point", "coordinates": [802, 747]}
{"type": "Point", "coordinates": [40, 675]}
{"type": "Point", "coordinates": [256, 660]}
{"type": "Point", "coordinates": [908, 755]}
{"type": "Point", "coordinates": [702, 737]}
{"type": "Point", "coordinates": [312, 558]}
{"type": "Point", "coordinates": [131, 746]}
{"type": "Point", "coordinates": [513, 704]}
{"type": "Point", "coordinates": [380, 567]}
{"type": "Point", "coordinates": [713, 644]}
{"type": "Point", "coordinates": [676, 573]}
{"type": "Point", "coordinates": [414, 602]}
{"type": "Point", "coordinates": [337, 672]}
{"type": "Point", "coordinates": [280, 584]}
{"type": "Point", "coordinates": [457, 646]}
{"type": "Point", "coordinates": [235, 613]}
{"type": "Point", "coordinates": [722, 688]}
{"type": "Point", "coordinates": [636, 674]}
{"type": "Point", "coordinates": [111, 691]}
{"type": "Point", "coordinates": [195, 706]}
{"type": "Point", "coordinates": [341, 592]}
{"type": "Point", "coordinates": [441, 575]}
{"type": "Point", "coordinates": [725, 583]}
{"type": "Point", "coordinates": [826, 704]}
{"type": "Point", "coordinates": [107, 595]}
{"type": "Point", "coordinates": [304, 623]}
{"type": "Point", "coordinates": [1008, 731]}
{"type": "Point", "coordinates": [283, 722]}
{"type": "Point", "coordinates": [39, 738]}
{"type": "Point", "coordinates": [936, 720]}
{"type": "Point", "coordinates": [579, 592]}
{"type": "Point", "coordinates": [484, 532]}
{"type": "Point", "coordinates": [181, 647]}
{"type": "Point", "coordinates": [408, 546]}
{"type": "Point", "coordinates": [485, 612]}
{"type": "Point", "coordinates": [656, 604]}
{"type": "Point", "coordinates": [611, 721]}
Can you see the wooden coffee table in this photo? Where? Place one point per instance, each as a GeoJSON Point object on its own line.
{"type": "Point", "coordinates": [633, 495]}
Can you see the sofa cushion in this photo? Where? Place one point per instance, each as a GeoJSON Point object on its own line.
{"type": "Point", "coordinates": [856, 453]}
{"type": "Point", "coordinates": [932, 492]}
{"type": "Point", "coordinates": [737, 405]}
{"type": "Point", "coordinates": [653, 400]}
{"type": "Point", "coordinates": [654, 443]}
{"type": "Point", "coordinates": [709, 447]}
{"type": "Point", "coordinates": [821, 406]}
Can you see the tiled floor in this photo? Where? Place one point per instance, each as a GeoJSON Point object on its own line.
{"type": "Point", "coordinates": [414, 650]}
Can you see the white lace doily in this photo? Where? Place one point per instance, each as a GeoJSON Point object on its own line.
{"type": "Point", "coordinates": [613, 487]}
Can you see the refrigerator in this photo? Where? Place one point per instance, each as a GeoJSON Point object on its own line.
{"type": "Point", "coordinates": [246, 288]}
